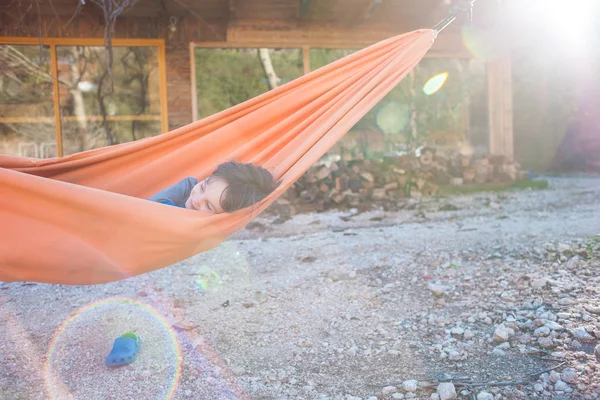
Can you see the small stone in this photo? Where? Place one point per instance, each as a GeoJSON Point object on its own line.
{"type": "Point", "coordinates": [457, 331]}
{"type": "Point", "coordinates": [542, 331]}
{"type": "Point", "coordinates": [597, 350]}
{"type": "Point", "coordinates": [446, 391]}
{"type": "Point", "coordinates": [538, 387]}
{"type": "Point", "coordinates": [553, 326]}
{"type": "Point", "coordinates": [188, 393]}
{"type": "Point", "coordinates": [410, 385]}
{"type": "Point", "coordinates": [566, 301]}
{"type": "Point", "coordinates": [581, 334]}
{"type": "Point", "coordinates": [372, 398]}
{"type": "Point", "coordinates": [468, 335]}
{"type": "Point", "coordinates": [435, 396]}
{"type": "Point", "coordinates": [539, 283]}
{"type": "Point", "coordinates": [563, 248]}
{"type": "Point", "coordinates": [389, 389]}
{"type": "Point", "coordinates": [573, 263]}
{"type": "Point", "coordinates": [498, 352]}
{"type": "Point", "coordinates": [485, 396]}
{"type": "Point", "coordinates": [238, 371]}
{"type": "Point", "coordinates": [502, 333]}
{"type": "Point", "coordinates": [142, 293]}
{"type": "Point", "coordinates": [568, 375]}
{"type": "Point", "coordinates": [437, 290]}
{"type": "Point", "coordinates": [560, 386]}
{"type": "Point", "coordinates": [554, 376]}
{"type": "Point", "coordinates": [546, 342]}
{"type": "Point", "coordinates": [397, 396]}
{"type": "Point", "coordinates": [453, 355]}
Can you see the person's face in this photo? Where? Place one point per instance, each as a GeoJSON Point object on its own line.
{"type": "Point", "coordinates": [206, 196]}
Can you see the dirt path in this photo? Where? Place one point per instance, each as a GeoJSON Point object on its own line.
{"type": "Point", "coordinates": [335, 306]}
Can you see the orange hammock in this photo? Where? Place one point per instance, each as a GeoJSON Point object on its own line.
{"type": "Point", "coordinates": [83, 219]}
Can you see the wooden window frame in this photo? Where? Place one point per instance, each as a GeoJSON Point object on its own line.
{"type": "Point", "coordinates": [53, 42]}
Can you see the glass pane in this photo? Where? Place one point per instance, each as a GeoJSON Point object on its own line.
{"type": "Point", "coordinates": [226, 77]}
{"type": "Point", "coordinates": [429, 107]}
{"type": "Point", "coordinates": [100, 109]}
{"type": "Point", "coordinates": [26, 104]}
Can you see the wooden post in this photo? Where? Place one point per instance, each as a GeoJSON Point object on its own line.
{"type": "Point", "coordinates": [500, 107]}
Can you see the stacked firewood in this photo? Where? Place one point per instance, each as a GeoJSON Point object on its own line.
{"type": "Point", "coordinates": [364, 183]}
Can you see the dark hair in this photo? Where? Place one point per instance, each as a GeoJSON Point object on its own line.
{"type": "Point", "coordinates": [247, 184]}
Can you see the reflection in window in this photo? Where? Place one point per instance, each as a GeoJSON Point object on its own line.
{"type": "Point", "coordinates": [226, 77]}
{"type": "Point", "coordinates": [26, 104]}
{"type": "Point", "coordinates": [408, 117]}
{"type": "Point", "coordinates": [100, 109]}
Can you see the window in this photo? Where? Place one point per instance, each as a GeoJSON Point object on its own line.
{"type": "Point", "coordinates": [58, 98]}
{"type": "Point", "coordinates": [229, 76]}
{"type": "Point", "coordinates": [27, 125]}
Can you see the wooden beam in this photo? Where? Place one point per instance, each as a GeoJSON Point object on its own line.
{"type": "Point", "coordinates": [303, 8]}
{"type": "Point", "coordinates": [500, 107]}
{"type": "Point", "coordinates": [253, 33]}
{"type": "Point", "coordinates": [371, 6]}
{"type": "Point", "coordinates": [232, 4]}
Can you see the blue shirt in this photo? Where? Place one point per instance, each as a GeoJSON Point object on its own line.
{"type": "Point", "coordinates": [177, 194]}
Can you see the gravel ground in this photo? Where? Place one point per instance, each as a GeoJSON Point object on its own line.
{"type": "Point", "coordinates": [486, 288]}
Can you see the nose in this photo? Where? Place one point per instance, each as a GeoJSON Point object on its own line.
{"type": "Point", "coordinates": [197, 202]}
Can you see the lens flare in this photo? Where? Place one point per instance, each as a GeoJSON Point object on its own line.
{"type": "Point", "coordinates": [88, 335]}
{"type": "Point", "coordinates": [219, 267]}
{"type": "Point", "coordinates": [435, 83]}
{"type": "Point", "coordinates": [393, 117]}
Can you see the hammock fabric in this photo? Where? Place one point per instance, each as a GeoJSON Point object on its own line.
{"type": "Point", "coordinates": [83, 219]}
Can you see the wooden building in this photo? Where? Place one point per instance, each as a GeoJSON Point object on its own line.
{"type": "Point", "coordinates": [166, 34]}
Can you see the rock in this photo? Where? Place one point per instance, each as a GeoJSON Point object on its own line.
{"type": "Point", "coordinates": [437, 290]}
{"type": "Point", "coordinates": [546, 342]}
{"type": "Point", "coordinates": [142, 293]}
{"type": "Point", "coordinates": [457, 331]}
{"type": "Point", "coordinates": [538, 387]}
{"type": "Point", "coordinates": [389, 389]}
{"type": "Point", "coordinates": [554, 376]}
{"type": "Point", "coordinates": [597, 351]}
{"type": "Point", "coordinates": [397, 396]}
{"type": "Point", "coordinates": [410, 385]}
{"type": "Point", "coordinates": [560, 386]}
{"type": "Point", "coordinates": [485, 396]}
{"type": "Point", "coordinates": [453, 355]}
{"type": "Point", "coordinates": [563, 248]}
{"type": "Point", "coordinates": [581, 335]}
{"type": "Point", "coordinates": [554, 326]}
{"type": "Point", "coordinates": [539, 283]}
{"type": "Point", "coordinates": [541, 331]}
{"type": "Point", "coordinates": [568, 375]}
{"type": "Point", "coordinates": [468, 335]}
{"type": "Point", "coordinates": [502, 333]}
{"type": "Point", "coordinates": [446, 391]}
{"type": "Point", "coordinates": [498, 352]}
{"type": "Point", "coordinates": [566, 301]}
{"type": "Point", "coordinates": [238, 371]}
{"type": "Point", "coordinates": [573, 263]}
{"type": "Point", "coordinates": [434, 396]}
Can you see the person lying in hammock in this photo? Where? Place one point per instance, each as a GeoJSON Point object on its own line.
{"type": "Point", "coordinates": [232, 186]}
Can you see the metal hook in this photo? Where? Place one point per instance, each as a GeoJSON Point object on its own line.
{"type": "Point", "coordinates": [465, 6]}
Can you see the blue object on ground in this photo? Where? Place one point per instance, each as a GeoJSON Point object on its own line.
{"type": "Point", "coordinates": [124, 350]}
